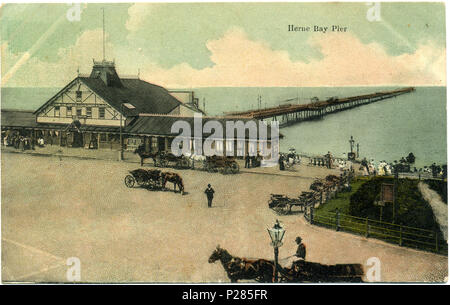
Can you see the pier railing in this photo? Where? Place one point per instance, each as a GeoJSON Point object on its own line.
{"type": "Point", "coordinates": [289, 113]}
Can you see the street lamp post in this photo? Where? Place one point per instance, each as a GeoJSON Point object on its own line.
{"type": "Point", "coordinates": [130, 107]}
{"type": "Point", "coordinates": [276, 235]}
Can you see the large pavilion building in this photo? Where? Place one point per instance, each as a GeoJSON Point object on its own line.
{"type": "Point", "coordinates": [92, 111]}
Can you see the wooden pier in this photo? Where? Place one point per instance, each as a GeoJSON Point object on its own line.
{"type": "Point", "coordinates": [292, 113]}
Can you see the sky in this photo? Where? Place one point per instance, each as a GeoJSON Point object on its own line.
{"type": "Point", "coordinates": [185, 45]}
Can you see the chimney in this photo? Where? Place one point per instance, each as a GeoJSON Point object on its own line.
{"type": "Point", "coordinates": [106, 71]}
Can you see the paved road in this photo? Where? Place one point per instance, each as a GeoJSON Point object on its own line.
{"type": "Point", "coordinates": [53, 209]}
{"type": "Point", "coordinates": [440, 209]}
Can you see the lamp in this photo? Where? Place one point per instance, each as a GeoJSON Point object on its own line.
{"type": "Point", "coordinates": [276, 234]}
{"type": "Point", "coordinates": [130, 107]}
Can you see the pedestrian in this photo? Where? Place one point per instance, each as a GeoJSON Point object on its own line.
{"type": "Point", "coordinates": [247, 161]}
{"type": "Point", "coordinates": [434, 170]}
{"type": "Point", "coordinates": [329, 160]}
{"type": "Point", "coordinates": [281, 162]}
{"type": "Point", "coordinates": [209, 194]}
{"type": "Point", "coordinates": [301, 249]}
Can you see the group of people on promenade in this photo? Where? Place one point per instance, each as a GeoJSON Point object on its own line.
{"type": "Point", "coordinates": [19, 141]}
{"type": "Point", "coordinates": [326, 160]}
{"type": "Point", "coordinates": [437, 170]}
{"type": "Point", "coordinates": [253, 161]}
{"type": "Point", "coordinates": [289, 159]}
{"type": "Point", "coordinates": [384, 168]}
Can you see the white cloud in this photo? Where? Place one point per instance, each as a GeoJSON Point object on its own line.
{"type": "Point", "coordinates": [239, 61]}
{"type": "Point", "coordinates": [33, 72]}
{"type": "Point", "coordinates": [138, 13]}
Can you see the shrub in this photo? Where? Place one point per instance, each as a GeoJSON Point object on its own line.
{"type": "Point", "coordinates": [410, 207]}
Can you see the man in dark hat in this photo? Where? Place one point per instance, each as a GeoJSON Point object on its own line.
{"type": "Point", "coordinates": [300, 255]}
{"type": "Point", "coordinates": [301, 249]}
{"type": "Point", "coordinates": [247, 161]}
{"type": "Point", "coordinates": [209, 194]}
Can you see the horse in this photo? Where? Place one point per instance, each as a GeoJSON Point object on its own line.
{"type": "Point", "coordinates": [145, 155]}
{"type": "Point", "coordinates": [238, 268]}
{"type": "Point", "coordinates": [175, 179]}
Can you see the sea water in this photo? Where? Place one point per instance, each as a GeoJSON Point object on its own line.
{"type": "Point", "coordinates": [385, 130]}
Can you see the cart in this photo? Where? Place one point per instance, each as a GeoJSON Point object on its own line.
{"type": "Point", "coordinates": [144, 177]}
{"type": "Point", "coordinates": [225, 165]}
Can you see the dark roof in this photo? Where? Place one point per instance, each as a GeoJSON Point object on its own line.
{"type": "Point", "coordinates": [161, 125]}
{"type": "Point", "coordinates": [18, 118]}
{"type": "Point", "coordinates": [146, 97]}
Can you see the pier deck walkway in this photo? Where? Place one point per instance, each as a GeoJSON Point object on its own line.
{"type": "Point", "coordinates": [301, 112]}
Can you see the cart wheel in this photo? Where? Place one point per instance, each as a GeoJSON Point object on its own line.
{"type": "Point", "coordinates": [281, 209]}
{"type": "Point", "coordinates": [129, 181]}
{"type": "Point", "coordinates": [278, 210]}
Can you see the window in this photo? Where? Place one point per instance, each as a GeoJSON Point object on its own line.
{"type": "Point", "coordinates": [219, 147]}
{"type": "Point", "coordinates": [252, 145]}
{"type": "Point", "coordinates": [78, 112]}
{"type": "Point", "coordinates": [101, 113]}
{"type": "Point", "coordinates": [89, 112]}
{"type": "Point", "coordinates": [79, 96]}
{"type": "Point", "coordinates": [57, 111]}
{"type": "Point", "coordinates": [230, 147]}
{"type": "Point", "coordinates": [69, 112]}
{"type": "Point", "coordinates": [240, 147]}
{"type": "Point", "coordinates": [154, 143]}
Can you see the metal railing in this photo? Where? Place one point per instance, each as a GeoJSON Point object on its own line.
{"type": "Point", "coordinates": [394, 233]}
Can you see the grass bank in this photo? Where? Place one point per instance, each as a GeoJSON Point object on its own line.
{"type": "Point", "coordinates": [414, 224]}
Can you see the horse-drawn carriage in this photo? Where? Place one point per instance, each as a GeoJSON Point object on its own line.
{"type": "Point", "coordinates": [153, 179]}
{"type": "Point", "coordinates": [224, 164]}
{"type": "Point", "coordinates": [301, 271]}
{"type": "Point", "coordinates": [282, 204]}
{"type": "Point", "coordinates": [164, 159]}
{"type": "Point", "coordinates": [144, 177]}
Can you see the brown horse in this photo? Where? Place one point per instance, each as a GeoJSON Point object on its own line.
{"type": "Point", "coordinates": [145, 155]}
{"type": "Point", "coordinates": [238, 268]}
{"type": "Point", "coordinates": [175, 179]}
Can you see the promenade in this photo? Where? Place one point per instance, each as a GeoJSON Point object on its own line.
{"type": "Point", "coordinates": [55, 208]}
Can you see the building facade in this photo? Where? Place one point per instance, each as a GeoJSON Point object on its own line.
{"type": "Point", "coordinates": [96, 111]}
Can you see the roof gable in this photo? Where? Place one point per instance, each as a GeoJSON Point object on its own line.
{"type": "Point", "coordinates": [145, 97]}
